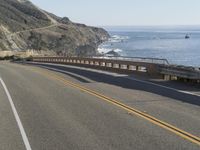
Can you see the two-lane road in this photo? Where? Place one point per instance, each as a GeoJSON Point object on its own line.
{"type": "Point", "coordinates": [72, 108]}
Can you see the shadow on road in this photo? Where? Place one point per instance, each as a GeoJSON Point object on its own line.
{"type": "Point", "coordinates": [128, 83]}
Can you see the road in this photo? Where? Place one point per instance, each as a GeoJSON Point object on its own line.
{"type": "Point", "coordinates": [9, 36]}
{"type": "Point", "coordinates": [65, 107]}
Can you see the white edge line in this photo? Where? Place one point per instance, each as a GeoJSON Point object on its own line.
{"type": "Point", "coordinates": [19, 123]}
{"type": "Point", "coordinates": [138, 80]}
{"type": "Point", "coordinates": [81, 68]}
{"type": "Point", "coordinates": [162, 86]}
{"type": "Point", "coordinates": [62, 71]}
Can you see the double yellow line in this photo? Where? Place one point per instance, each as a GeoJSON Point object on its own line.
{"type": "Point", "coordinates": [150, 118]}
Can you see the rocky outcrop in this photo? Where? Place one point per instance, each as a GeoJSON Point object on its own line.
{"type": "Point", "coordinates": [24, 26]}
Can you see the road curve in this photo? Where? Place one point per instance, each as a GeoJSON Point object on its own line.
{"type": "Point", "coordinates": [57, 115]}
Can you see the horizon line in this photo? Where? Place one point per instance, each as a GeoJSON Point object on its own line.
{"type": "Point", "coordinates": [147, 25]}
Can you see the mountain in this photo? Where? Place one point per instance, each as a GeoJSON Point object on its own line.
{"type": "Point", "coordinates": [24, 26]}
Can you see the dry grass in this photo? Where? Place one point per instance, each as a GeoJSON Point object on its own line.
{"type": "Point", "coordinates": [28, 53]}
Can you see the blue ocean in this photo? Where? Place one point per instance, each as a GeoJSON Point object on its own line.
{"type": "Point", "coordinates": [156, 42]}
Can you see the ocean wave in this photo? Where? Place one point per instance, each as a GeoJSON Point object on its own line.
{"type": "Point", "coordinates": [118, 38]}
{"type": "Point", "coordinates": [118, 50]}
{"type": "Point", "coordinates": [106, 50]}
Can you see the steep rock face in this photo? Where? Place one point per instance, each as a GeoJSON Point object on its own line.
{"type": "Point", "coordinates": [22, 15]}
{"type": "Point", "coordinates": [24, 26]}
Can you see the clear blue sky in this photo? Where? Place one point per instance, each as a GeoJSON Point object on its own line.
{"type": "Point", "coordinates": [126, 12]}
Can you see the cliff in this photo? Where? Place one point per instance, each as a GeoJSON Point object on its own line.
{"type": "Point", "coordinates": [24, 26]}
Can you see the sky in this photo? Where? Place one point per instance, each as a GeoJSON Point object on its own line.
{"type": "Point", "coordinates": [125, 12]}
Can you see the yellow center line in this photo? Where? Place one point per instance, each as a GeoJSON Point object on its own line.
{"type": "Point", "coordinates": [165, 125]}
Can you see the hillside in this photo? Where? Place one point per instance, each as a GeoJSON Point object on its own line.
{"type": "Point", "coordinates": [24, 26]}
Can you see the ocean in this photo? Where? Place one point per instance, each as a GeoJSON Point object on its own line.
{"type": "Point", "coordinates": [156, 42]}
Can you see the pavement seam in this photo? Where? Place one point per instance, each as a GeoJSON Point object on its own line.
{"type": "Point", "coordinates": [162, 86]}
{"type": "Point", "coordinates": [150, 118]}
{"type": "Point", "coordinates": [125, 76]}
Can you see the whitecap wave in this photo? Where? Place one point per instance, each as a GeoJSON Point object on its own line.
{"type": "Point", "coordinates": [118, 38]}
{"type": "Point", "coordinates": [103, 50]}
{"type": "Point", "coordinates": [106, 50]}
{"type": "Point", "coordinates": [118, 50]}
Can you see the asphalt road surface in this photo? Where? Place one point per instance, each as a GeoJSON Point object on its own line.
{"type": "Point", "coordinates": [72, 108]}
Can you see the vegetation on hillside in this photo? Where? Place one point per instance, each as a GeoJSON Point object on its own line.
{"type": "Point", "coordinates": [24, 26]}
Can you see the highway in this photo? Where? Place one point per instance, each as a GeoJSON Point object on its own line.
{"type": "Point", "coordinates": [57, 107]}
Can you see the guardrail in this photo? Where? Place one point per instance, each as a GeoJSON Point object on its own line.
{"type": "Point", "coordinates": [138, 59]}
{"type": "Point", "coordinates": [127, 65]}
{"type": "Point", "coordinates": [124, 66]}
{"type": "Point", "coordinates": [180, 72]}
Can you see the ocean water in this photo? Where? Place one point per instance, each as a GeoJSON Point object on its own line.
{"type": "Point", "coordinates": [156, 42]}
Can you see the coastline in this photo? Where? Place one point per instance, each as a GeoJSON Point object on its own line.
{"type": "Point", "coordinates": [163, 44]}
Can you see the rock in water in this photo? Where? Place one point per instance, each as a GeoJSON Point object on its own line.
{"type": "Point", "coordinates": [112, 53]}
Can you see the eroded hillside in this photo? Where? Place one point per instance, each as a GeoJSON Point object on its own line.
{"type": "Point", "coordinates": [24, 26]}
